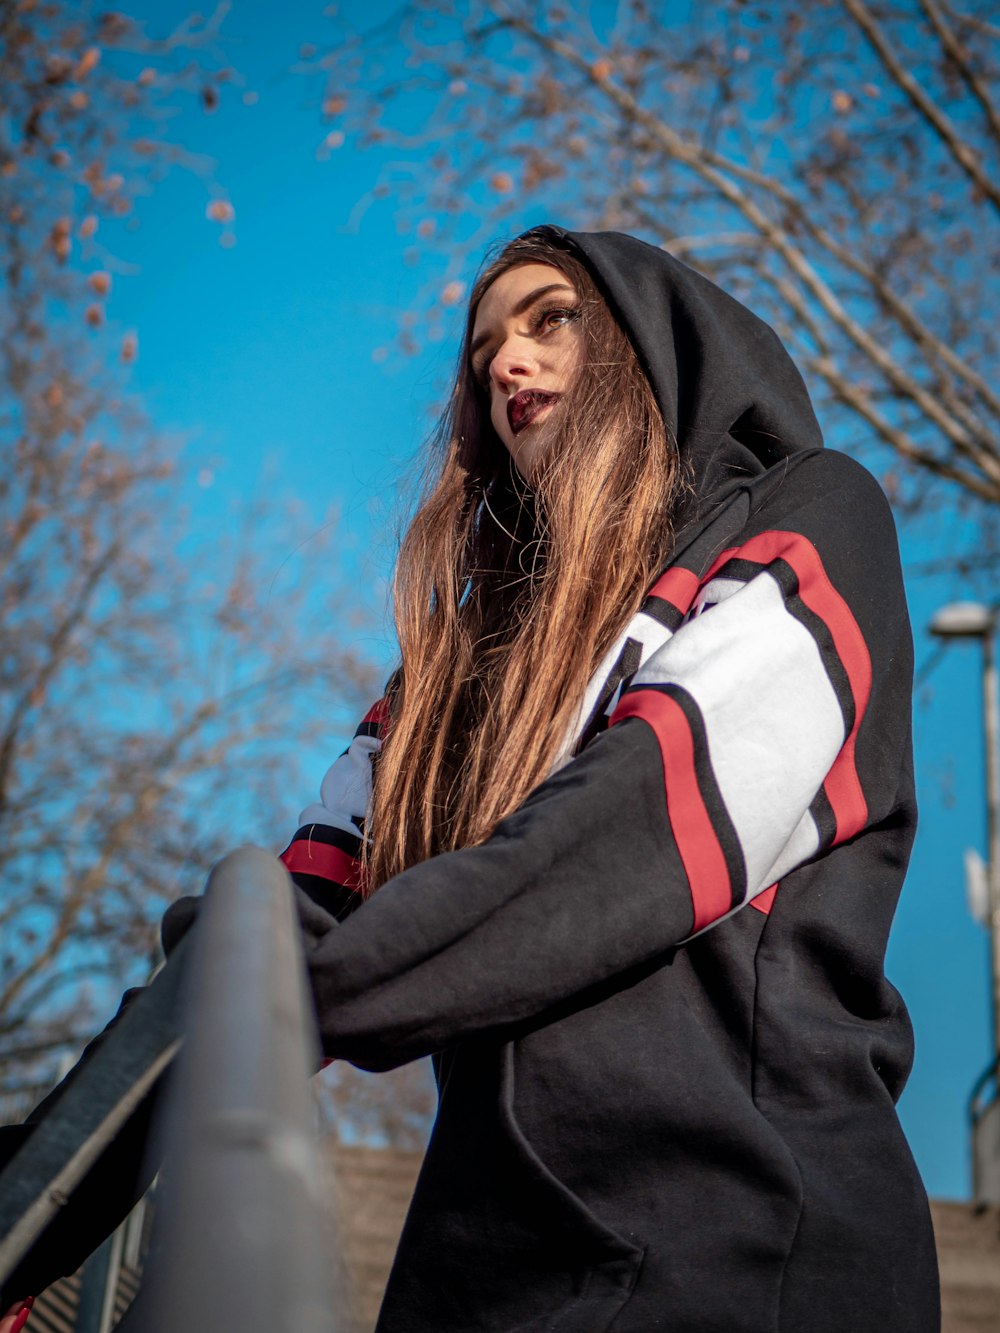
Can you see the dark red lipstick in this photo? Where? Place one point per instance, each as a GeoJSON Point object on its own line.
{"type": "Point", "coordinates": [525, 406]}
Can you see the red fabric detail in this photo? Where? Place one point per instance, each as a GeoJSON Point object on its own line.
{"type": "Point", "coordinates": [676, 586]}
{"type": "Point", "coordinates": [842, 785]}
{"type": "Point", "coordinates": [701, 855]}
{"type": "Point", "coordinates": [306, 856]}
{"type": "Point", "coordinates": [378, 713]}
{"type": "Point", "coordinates": [764, 900]}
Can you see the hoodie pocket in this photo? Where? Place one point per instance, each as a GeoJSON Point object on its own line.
{"type": "Point", "coordinates": [605, 1265]}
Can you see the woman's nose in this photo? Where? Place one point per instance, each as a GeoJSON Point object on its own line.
{"type": "Point", "coordinates": [513, 361]}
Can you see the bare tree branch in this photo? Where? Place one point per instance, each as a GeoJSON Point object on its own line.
{"type": "Point", "coordinates": [151, 702]}
{"type": "Point", "coordinates": [947, 131]}
{"type": "Point", "coordinates": [780, 242]}
{"type": "Point", "coordinates": [960, 59]}
{"type": "Point", "coordinates": [55, 658]}
{"type": "Point", "coordinates": [817, 162]}
{"type": "Point", "coordinates": [974, 22]}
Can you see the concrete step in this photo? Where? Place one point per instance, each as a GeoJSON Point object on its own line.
{"type": "Point", "coordinates": [372, 1187]}
{"type": "Point", "coordinates": [968, 1243]}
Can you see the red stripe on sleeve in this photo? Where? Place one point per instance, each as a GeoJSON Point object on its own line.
{"type": "Point", "coordinates": [764, 900]}
{"type": "Point", "coordinates": [676, 586]}
{"type": "Point", "coordinates": [842, 785]}
{"type": "Point", "coordinates": [701, 855]}
{"type": "Point", "coordinates": [319, 858]}
{"type": "Point", "coordinates": [843, 791]}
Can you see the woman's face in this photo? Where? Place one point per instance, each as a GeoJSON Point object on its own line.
{"type": "Point", "coordinates": [526, 349]}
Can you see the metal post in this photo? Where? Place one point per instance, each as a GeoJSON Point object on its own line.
{"type": "Point", "coordinates": [240, 1238]}
{"type": "Point", "coordinates": [974, 620]}
{"type": "Point", "coordinates": [99, 1284]}
{"type": "Point", "coordinates": [992, 739]}
{"type": "Point", "coordinates": [93, 1286]}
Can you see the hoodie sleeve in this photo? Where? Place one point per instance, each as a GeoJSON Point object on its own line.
{"type": "Point", "coordinates": [323, 857]}
{"type": "Point", "coordinates": [771, 726]}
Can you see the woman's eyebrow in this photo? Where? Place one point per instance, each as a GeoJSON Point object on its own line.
{"type": "Point", "coordinates": [520, 307]}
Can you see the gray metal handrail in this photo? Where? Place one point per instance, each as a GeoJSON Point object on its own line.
{"type": "Point", "coordinates": [242, 1232]}
{"type": "Point", "coordinates": [241, 1238]}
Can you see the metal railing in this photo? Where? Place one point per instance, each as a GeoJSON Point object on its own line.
{"type": "Point", "coordinates": [241, 1235]}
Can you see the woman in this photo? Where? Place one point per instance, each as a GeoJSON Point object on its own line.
{"type": "Point", "coordinates": [642, 805]}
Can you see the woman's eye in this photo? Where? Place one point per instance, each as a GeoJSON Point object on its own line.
{"type": "Point", "coordinates": [556, 318]}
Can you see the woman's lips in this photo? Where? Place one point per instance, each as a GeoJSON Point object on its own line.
{"type": "Point", "coordinates": [524, 407]}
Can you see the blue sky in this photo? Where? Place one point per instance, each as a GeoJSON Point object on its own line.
{"type": "Point", "coordinates": [267, 358]}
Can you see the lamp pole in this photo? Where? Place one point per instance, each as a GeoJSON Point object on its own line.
{"type": "Point", "coordinates": [973, 620]}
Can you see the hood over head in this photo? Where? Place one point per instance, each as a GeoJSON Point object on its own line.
{"type": "Point", "coordinates": [730, 394]}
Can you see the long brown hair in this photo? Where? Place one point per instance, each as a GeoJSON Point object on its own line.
{"type": "Point", "coordinates": [506, 598]}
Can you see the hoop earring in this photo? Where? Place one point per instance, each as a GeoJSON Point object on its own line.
{"type": "Point", "coordinates": [535, 546]}
{"type": "Point", "coordinates": [489, 510]}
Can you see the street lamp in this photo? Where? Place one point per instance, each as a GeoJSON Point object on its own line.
{"type": "Point", "coordinates": [973, 620]}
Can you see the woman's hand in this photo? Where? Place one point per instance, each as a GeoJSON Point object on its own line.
{"type": "Point", "coordinates": [17, 1316]}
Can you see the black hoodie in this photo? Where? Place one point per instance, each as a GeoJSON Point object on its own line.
{"type": "Point", "coordinates": [667, 1052]}
{"type": "Point", "coordinates": [666, 1049]}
